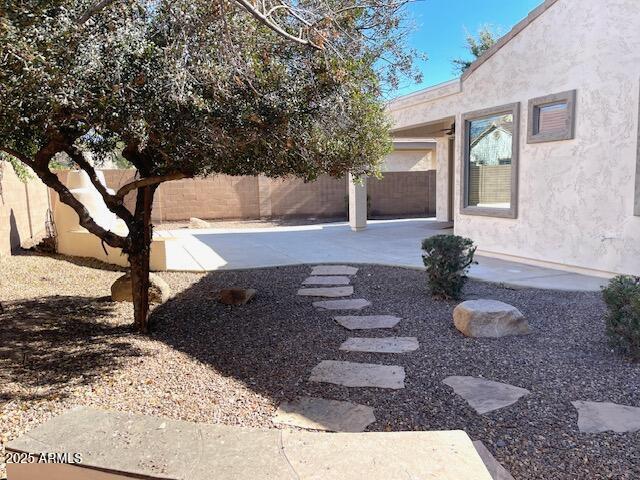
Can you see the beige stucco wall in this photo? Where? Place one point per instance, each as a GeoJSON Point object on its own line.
{"type": "Point", "coordinates": [575, 197]}
{"type": "Point", "coordinates": [409, 161]}
{"type": "Point", "coordinates": [23, 210]}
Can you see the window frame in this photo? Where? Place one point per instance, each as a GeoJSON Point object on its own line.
{"type": "Point", "coordinates": [467, 118]}
{"type": "Point", "coordinates": [569, 98]}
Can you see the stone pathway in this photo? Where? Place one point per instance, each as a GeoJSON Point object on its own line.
{"type": "Point", "coordinates": [326, 292]}
{"type": "Point", "coordinates": [597, 417]}
{"type": "Point", "coordinates": [485, 395]}
{"type": "Point", "coordinates": [381, 345]}
{"type": "Point", "coordinates": [320, 414]}
{"type": "Point", "coordinates": [367, 322]}
{"type": "Point", "coordinates": [350, 374]}
{"type": "Point", "coordinates": [324, 414]}
{"type": "Point", "coordinates": [333, 270]}
{"type": "Point", "coordinates": [326, 280]}
{"type": "Point", "coordinates": [351, 304]}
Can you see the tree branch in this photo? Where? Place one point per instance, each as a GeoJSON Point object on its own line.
{"type": "Point", "coordinates": [148, 181]}
{"type": "Point", "coordinates": [92, 10]}
{"type": "Point", "coordinates": [113, 202]}
{"type": "Point", "coordinates": [41, 167]}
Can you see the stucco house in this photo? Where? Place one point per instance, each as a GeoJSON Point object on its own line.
{"type": "Point", "coordinates": [537, 144]}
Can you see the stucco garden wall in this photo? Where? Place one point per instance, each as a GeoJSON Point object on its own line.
{"type": "Point", "coordinates": [23, 210]}
{"type": "Point", "coordinates": [576, 197]}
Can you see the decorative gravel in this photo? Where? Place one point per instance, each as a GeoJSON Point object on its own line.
{"type": "Point", "coordinates": [63, 343]}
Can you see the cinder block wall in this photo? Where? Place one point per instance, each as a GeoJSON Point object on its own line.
{"type": "Point", "coordinates": [23, 210]}
{"type": "Point", "coordinates": [326, 197]}
{"type": "Point", "coordinates": [402, 193]}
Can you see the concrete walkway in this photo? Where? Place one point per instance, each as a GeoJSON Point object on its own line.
{"type": "Point", "coordinates": [119, 446]}
{"type": "Point", "coordinates": [385, 242]}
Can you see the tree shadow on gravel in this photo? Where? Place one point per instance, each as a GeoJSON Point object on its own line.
{"type": "Point", "coordinates": [53, 342]}
{"type": "Point", "coordinates": [270, 344]}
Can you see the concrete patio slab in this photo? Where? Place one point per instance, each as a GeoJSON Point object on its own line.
{"type": "Point", "coordinates": [381, 345]}
{"type": "Point", "coordinates": [350, 304]}
{"type": "Point", "coordinates": [334, 270]}
{"type": "Point", "coordinates": [326, 292]}
{"type": "Point", "coordinates": [485, 395]}
{"type": "Point", "coordinates": [119, 446]}
{"type": "Point", "coordinates": [327, 280]}
{"type": "Point", "coordinates": [321, 414]}
{"type": "Point", "coordinates": [597, 417]}
{"type": "Point", "coordinates": [384, 242]}
{"type": "Point", "coordinates": [367, 322]}
{"type": "Point", "coordinates": [350, 374]}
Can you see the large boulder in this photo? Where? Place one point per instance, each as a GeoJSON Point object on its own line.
{"type": "Point", "coordinates": [489, 318]}
{"type": "Point", "coordinates": [159, 291]}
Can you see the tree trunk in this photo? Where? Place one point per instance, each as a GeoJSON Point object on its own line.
{"type": "Point", "coordinates": [141, 233]}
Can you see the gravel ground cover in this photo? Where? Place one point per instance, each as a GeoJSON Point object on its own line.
{"type": "Point", "coordinates": [64, 343]}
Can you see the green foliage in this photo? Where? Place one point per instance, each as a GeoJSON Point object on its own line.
{"type": "Point", "coordinates": [477, 46]}
{"type": "Point", "coordinates": [622, 297]}
{"type": "Point", "coordinates": [201, 87]}
{"type": "Point", "coordinates": [447, 258]}
{"type": "Point", "coordinates": [22, 171]}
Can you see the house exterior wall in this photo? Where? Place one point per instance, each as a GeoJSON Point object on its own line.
{"type": "Point", "coordinates": [576, 197]}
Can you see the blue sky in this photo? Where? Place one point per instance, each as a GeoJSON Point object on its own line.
{"type": "Point", "coordinates": [440, 31]}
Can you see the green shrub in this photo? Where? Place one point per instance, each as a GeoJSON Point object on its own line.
{"type": "Point", "coordinates": [622, 297]}
{"type": "Point", "coordinates": [447, 258]}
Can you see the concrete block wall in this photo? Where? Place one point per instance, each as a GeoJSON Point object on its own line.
{"type": "Point", "coordinates": [403, 193]}
{"type": "Point", "coordinates": [325, 197]}
{"type": "Point", "coordinates": [23, 210]}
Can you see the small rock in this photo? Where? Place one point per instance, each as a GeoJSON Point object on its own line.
{"type": "Point", "coordinates": [489, 318]}
{"type": "Point", "coordinates": [159, 290]}
{"type": "Point", "coordinates": [195, 222]}
{"type": "Point", "coordinates": [236, 296]}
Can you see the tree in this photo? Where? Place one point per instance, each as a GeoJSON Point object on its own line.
{"type": "Point", "coordinates": [477, 46]}
{"type": "Point", "coordinates": [189, 88]}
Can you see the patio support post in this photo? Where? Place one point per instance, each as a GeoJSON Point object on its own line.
{"type": "Point", "coordinates": [443, 184]}
{"type": "Point", "coordinates": [357, 204]}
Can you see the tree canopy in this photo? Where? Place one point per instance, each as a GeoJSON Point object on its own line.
{"type": "Point", "coordinates": [476, 46]}
{"type": "Point", "coordinates": [186, 88]}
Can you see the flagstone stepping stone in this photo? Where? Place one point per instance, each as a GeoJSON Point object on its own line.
{"type": "Point", "coordinates": [489, 318]}
{"type": "Point", "coordinates": [326, 280]}
{"type": "Point", "coordinates": [349, 304]}
{"type": "Point", "coordinates": [367, 322]}
{"type": "Point", "coordinates": [381, 345]}
{"type": "Point", "coordinates": [326, 292]}
{"type": "Point", "coordinates": [334, 270]}
{"type": "Point", "coordinates": [485, 395]}
{"type": "Point", "coordinates": [350, 374]}
{"type": "Point", "coordinates": [496, 470]}
{"type": "Point", "coordinates": [597, 417]}
{"type": "Point", "coordinates": [321, 414]}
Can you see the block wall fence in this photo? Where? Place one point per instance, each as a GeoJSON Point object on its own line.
{"type": "Point", "coordinates": [23, 206]}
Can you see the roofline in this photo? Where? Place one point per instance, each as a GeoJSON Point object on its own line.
{"type": "Point", "coordinates": [425, 90]}
{"type": "Point", "coordinates": [502, 41]}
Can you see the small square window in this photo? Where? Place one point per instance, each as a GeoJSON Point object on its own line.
{"type": "Point", "coordinates": [551, 118]}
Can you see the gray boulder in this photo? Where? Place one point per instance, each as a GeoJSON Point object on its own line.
{"type": "Point", "coordinates": [159, 290]}
{"type": "Point", "coordinates": [489, 318]}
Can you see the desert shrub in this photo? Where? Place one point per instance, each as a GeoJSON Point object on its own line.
{"type": "Point", "coordinates": [622, 297]}
{"type": "Point", "coordinates": [447, 258]}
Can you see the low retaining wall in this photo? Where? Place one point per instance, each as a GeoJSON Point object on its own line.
{"type": "Point", "coordinates": [23, 210]}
